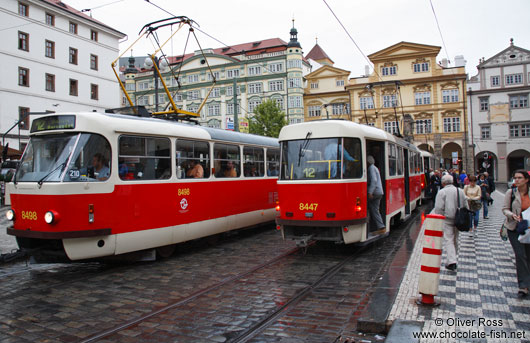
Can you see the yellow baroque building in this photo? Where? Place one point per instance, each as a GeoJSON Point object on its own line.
{"type": "Point", "coordinates": [409, 93]}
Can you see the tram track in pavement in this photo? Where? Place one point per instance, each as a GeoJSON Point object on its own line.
{"type": "Point", "coordinates": [185, 300]}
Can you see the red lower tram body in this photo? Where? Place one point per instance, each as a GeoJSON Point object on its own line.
{"type": "Point", "coordinates": [133, 217]}
{"type": "Point", "coordinates": [337, 212]}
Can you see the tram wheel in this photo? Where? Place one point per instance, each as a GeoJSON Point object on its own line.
{"type": "Point", "coordinates": [165, 251]}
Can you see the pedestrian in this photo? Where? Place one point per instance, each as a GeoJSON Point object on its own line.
{"type": "Point", "coordinates": [375, 193]}
{"type": "Point", "coordinates": [491, 184]}
{"type": "Point", "coordinates": [435, 184]}
{"type": "Point", "coordinates": [485, 191]}
{"type": "Point", "coordinates": [512, 209]}
{"type": "Point", "coordinates": [473, 195]}
{"type": "Point", "coordinates": [446, 205]}
{"type": "Point", "coordinates": [462, 178]}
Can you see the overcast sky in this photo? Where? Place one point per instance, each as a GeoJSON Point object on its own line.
{"type": "Point", "coordinates": [473, 28]}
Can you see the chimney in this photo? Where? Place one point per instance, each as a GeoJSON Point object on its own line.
{"type": "Point", "coordinates": [444, 62]}
{"type": "Point", "coordinates": [460, 61]}
{"type": "Point", "coordinates": [366, 70]}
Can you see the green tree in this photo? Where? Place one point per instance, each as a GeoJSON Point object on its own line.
{"type": "Point", "coordinates": [268, 119]}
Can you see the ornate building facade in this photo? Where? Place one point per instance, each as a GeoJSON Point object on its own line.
{"type": "Point", "coordinates": [260, 70]}
{"type": "Point", "coordinates": [408, 85]}
{"type": "Point", "coordinates": [500, 115]}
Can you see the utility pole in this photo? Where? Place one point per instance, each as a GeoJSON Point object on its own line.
{"type": "Point", "coordinates": [236, 118]}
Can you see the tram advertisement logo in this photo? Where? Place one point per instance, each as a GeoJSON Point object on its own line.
{"type": "Point", "coordinates": [183, 205]}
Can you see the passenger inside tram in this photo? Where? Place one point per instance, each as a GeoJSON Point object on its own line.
{"type": "Point", "coordinates": [195, 170]}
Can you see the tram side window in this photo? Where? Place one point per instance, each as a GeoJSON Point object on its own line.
{"type": "Point", "coordinates": [193, 159]}
{"type": "Point", "coordinates": [353, 167]}
{"type": "Point", "coordinates": [253, 162]}
{"type": "Point", "coordinates": [418, 163]}
{"type": "Point", "coordinates": [392, 159]}
{"type": "Point", "coordinates": [400, 161]}
{"type": "Point", "coordinates": [226, 160]}
{"type": "Point", "coordinates": [273, 162]}
{"type": "Point", "coordinates": [411, 161]}
{"type": "Point", "coordinates": [144, 158]}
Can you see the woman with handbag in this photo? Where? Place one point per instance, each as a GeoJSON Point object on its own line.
{"type": "Point", "coordinates": [485, 189]}
{"type": "Point", "coordinates": [473, 195]}
{"type": "Point", "coordinates": [516, 201]}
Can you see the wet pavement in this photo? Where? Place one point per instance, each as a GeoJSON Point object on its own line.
{"type": "Point", "coordinates": [159, 301]}
{"type": "Point", "coordinates": [478, 302]}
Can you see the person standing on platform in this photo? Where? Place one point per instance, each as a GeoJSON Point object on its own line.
{"type": "Point", "coordinates": [375, 193]}
{"type": "Point", "coordinates": [435, 184]}
{"type": "Point", "coordinates": [446, 205]}
{"type": "Point", "coordinates": [512, 209]}
{"type": "Point", "coordinates": [473, 195]}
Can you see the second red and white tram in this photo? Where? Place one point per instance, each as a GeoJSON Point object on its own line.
{"type": "Point", "coordinates": [93, 185]}
{"type": "Point", "coordinates": [323, 181]}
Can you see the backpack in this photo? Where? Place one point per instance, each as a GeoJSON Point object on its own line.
{"type": "Point", "coordinates": [462, 217]}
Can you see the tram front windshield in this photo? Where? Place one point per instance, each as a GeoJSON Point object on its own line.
{"type": "Point", "coordinates": [321, 159]}
{"type": "Point", "coordinates": [68, 157]}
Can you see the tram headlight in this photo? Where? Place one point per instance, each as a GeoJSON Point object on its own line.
{"type": "Point", "coordinates": [10, 215]}
{"type": "Point", "coordinates": [51, 217]}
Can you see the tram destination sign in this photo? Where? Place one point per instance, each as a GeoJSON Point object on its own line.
{"type": "Point", "coordinates": [53, 123]}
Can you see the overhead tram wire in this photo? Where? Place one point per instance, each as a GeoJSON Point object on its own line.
{"type": "Point", "coordinates": [232, 48]}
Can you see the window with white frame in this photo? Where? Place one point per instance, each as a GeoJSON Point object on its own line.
{"type": "Point", "coordinates": [230, 107]}
{"type": "Point", "coordinates": [230, 90]}
{"type": "Point", "coordinates": [495, 81]}
{"type": "Point", "coordinates": [369, 124]}
{"type": "Point", "coordinates": [449, 95]}
{"type": "Point", "coordinates": [192, 108]}
{"type": "Point", "coordinates": [423, 126]}
{"type": "Point", "coordinates": [314, 85]}
{"type": "Point", "coordinates": [484, 103]}
{"type": "Point", "coordinates": [514, 79]}
{"type": "Point", "coordinates": [143, 85]}
{"type": "Point", "coordinates": [216, 92]}
{"type": "Point", "coordinates": [252, 104]}
{"type": "Point", "coordinates": [162, 98]}
{"type": "Point", "coordinates": [177, 97]}
{"type": "Point", "coordinates": [254, 88]}
{"type": "Point", "coordinates": [275, 67]}
{"type": "Point", "coordinates": [485, 132]}
{"type": "Point", "coordinates": [389, 100]}
{"type": "Point", "coordinates": [295, 101]}
{"type": "Point", "coordinates": [231, 73]}
{"type": "Point", "coordinates": [295, 82]}
{"type": "Point", "coordinates": [130, 87]}
{"type": "Point", "coordinates": [193, 78]}
{"type": "Point", "coordinates": [214, 110]}
{"type": "Point", "coordinates": [422, 98]}
{"type": "Point", "coordinates": [313, 111]}
{"type": "Point", "coordinates": [392, 70]}
{"type": "Point", "coordinates": [192, 95]}
{"type": "Point", "coordinates": [209, 76]}
{"type": "Point", "coordinates": [452, 124]}
{"type": "Point", "coordinates": [294, 64]}
{"type": "Point", "coordinates": [143, 100]}
{"type": "Point", "coordinates": [421, 67]}
{"type": "Point", "coordinates": [279, 102]}
{"type": "Point", "coordinates": [254, 70]}
{"type": "Point", "coordinates": [519, 130]}
{"type": "Point", "coordinates": [519, 101]}
{"type": "Point", "coordinates": [366, 102]}
{"type": "Point", "coordinates": [339, 83]}
{"type": "Point", "coordinates": [340, 108]}
{"type": "Point", "coordinates": [276, 85]}
{"type": "Point", "coordinates": [391, 126]}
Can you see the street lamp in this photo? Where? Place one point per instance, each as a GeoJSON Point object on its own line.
{"type": "Point", "coordinates": [148, 63]}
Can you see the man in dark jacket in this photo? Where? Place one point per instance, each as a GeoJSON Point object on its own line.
{"type": "Point", "coordinates": [491, 186]}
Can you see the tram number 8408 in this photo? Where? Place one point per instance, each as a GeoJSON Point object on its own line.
{"type": "Point", "coordinates": [308, 206]}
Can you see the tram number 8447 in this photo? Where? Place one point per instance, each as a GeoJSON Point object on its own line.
{"type": "Point", "coordinates": [308, 206]}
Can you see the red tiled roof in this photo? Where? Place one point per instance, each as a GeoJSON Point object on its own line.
{"type": "Point", "coordinates": [61, 5]}
{"type": "Point", "coordinates": [318, 54]}
{"type": "Point", "coordinates": [251, 48]}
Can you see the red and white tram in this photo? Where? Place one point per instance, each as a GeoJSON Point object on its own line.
{"type": "Point", "coordinates": [323, 180]}
{"type": "Point", "coordinates": [92, 185]}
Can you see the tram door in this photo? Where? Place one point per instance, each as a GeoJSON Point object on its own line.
{"type": "Point", "coordinates": [377, 150]}
{"type": "Point", "coordinates": [407, 179]}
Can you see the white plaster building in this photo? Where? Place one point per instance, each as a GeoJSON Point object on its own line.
{"type": "Point", "coordinates": [500, 115]}
{"type": "Point", "coordinates": [54, 58]}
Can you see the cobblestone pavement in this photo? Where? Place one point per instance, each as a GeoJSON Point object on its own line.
{"type": "Point", "coordinates": [479, 300]}
{"type": "Point", "coordinates": [70, 302]}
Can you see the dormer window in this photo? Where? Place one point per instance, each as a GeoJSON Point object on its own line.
{"type": "Point", "coordinates": [390, 70]}
{"type": "Point", "coordinates": [421, 67]}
